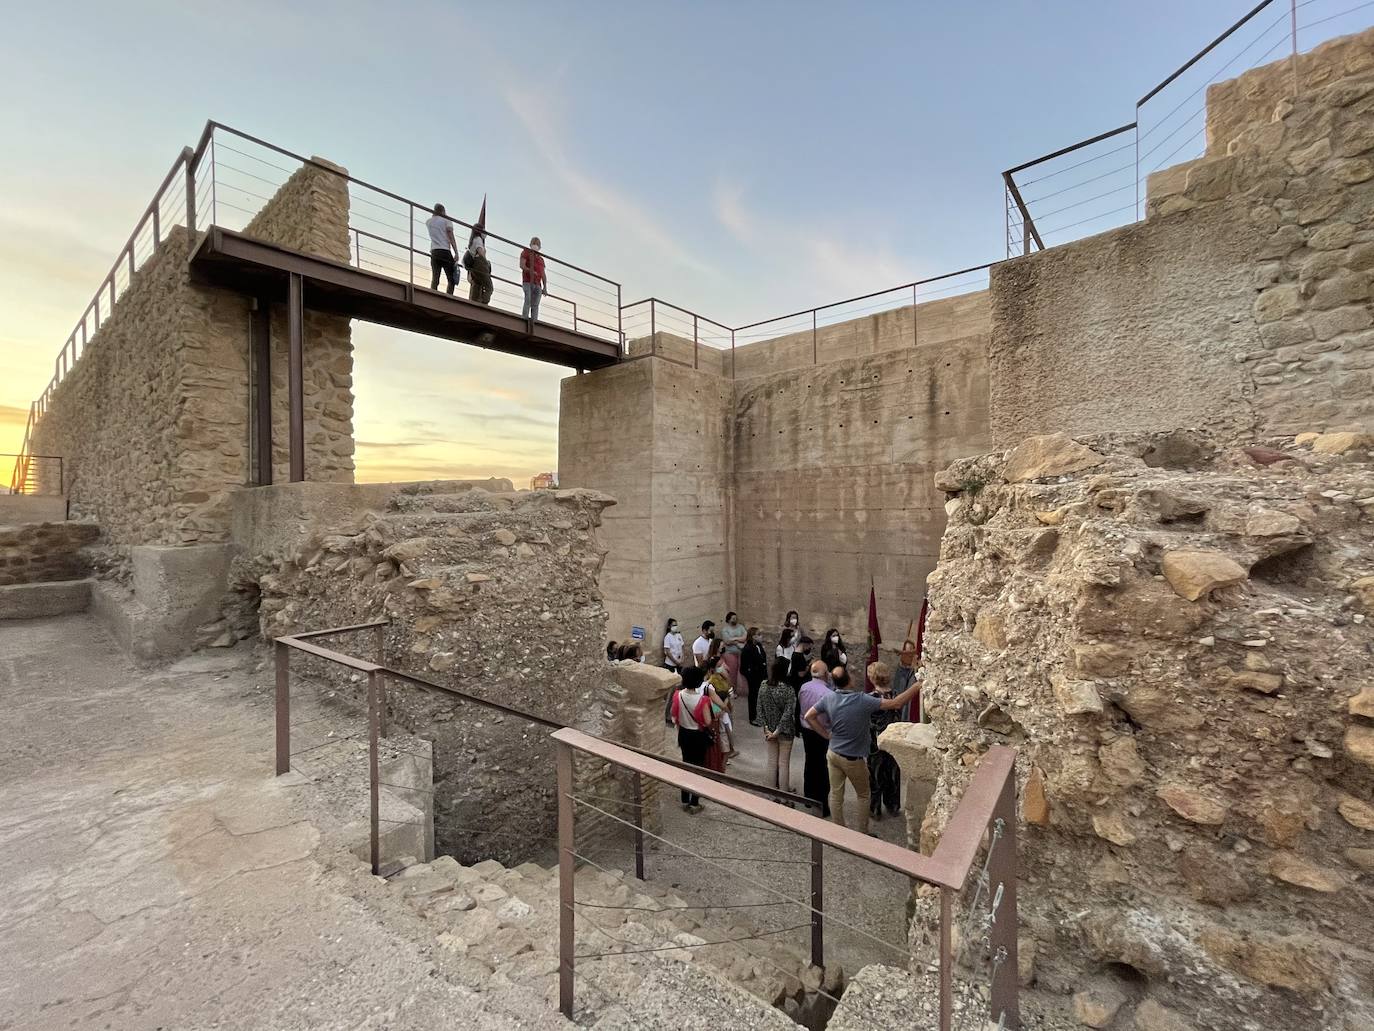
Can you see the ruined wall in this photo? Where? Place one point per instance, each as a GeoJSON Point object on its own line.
{"type": "Point", "coordinates": [44, 552]}
{"type": "Point", "coordinates": [153, 420]}
{"type": "Point", "coordinates": [492, 593]}
{"type": "Point", "coordinates": [1175, 635]}
{"type": "Point", "coordinates": [833, 482]}
{"type": "Point", "coordinates": [1241, 305]}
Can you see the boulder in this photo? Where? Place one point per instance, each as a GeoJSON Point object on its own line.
{"type": "Point", "coordinates": [1054, 454]}
{"type": "Point", "coordinates": [1151, 1016]}
{"type": "Point", "coordinates": [1356, 813]}
{"type": "Point", "coordinates": [1359, 743]}
{"type": "Point", "coordinates": [1193, 574]}
{"type": "Point", "coordinates": [1362, 704]}
{"type": "Point", "coordinates": [1296, 870]}
{"type": "Point", "coordinates": [1035, 804]}
{"type": "Point", "coordinates": [1340, 443]}
{"type": "Point", "coordinates": [1097, 1006]}
{"type": "Point", "coordinates": [1077, 697]}
{"type": "Point", "coordinates": [1193, 805]}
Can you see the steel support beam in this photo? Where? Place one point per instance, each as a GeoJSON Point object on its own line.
{"type": "Point", "coordinates": [295, 320]}
{"type": "Point", "coordinates": [260, 329]}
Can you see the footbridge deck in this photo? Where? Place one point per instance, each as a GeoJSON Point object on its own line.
{"type": "Point", "coordinates": [265, 270]}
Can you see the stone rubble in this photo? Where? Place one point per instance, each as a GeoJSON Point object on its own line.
{"type": "Point", "coordinates": [1180, 652]}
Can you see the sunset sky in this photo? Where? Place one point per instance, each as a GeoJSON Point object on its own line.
{"type": "Point", "coordinates": [741, 158]}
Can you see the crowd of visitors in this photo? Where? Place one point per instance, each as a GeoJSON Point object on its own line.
{"type": "Point", "coordinates": [797, 691]}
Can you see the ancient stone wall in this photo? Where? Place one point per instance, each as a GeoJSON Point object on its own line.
{"type": "Point", "coordinates": [1241, 305]}
{"type": "Point", "coordinates": [1176, 636]}
{"type": "Point", "coordinates": [491, 593]}
{"type": "Point", "coordinates": [153, 419]}
{"type": "Point", "coordinates": [44, 552]}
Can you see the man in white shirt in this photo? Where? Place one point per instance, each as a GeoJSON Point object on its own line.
{"type": "Point", "coordinates": [701, 647]}
{"type": "Point", "coordinates": [442, 248]}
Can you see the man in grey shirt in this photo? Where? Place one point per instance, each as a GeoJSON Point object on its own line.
{"type": "Point", "coordinates": [848, 712]}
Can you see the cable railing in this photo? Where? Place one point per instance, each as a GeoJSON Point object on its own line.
{"type": "Point", "coordinates": [928, 311]}
{"type": "Point", "coordinates": [1104, 182]}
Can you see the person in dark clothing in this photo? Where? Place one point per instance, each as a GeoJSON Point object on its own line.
{"type": "Point", "coordinates": [477, 263]}
{"type": "Point", "coordinates": [442, 248]}
{"type": "Point", "coordinates": [799, 670]}
{"type": "Point", "coordinates": [691, 711]}
{"type": "Point", "coordinates": [815, 773]}
{"type": "Point", "coordinates": [833, 650]}
{"type": "Point", "coordinates": [884, 775]}
{"type": "Point", "coordinates": [753, 666]}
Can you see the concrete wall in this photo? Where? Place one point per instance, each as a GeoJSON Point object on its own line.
{"type": "Point", "coordinates": [656, 436]}
{"type": "Point", "coordinates": [153, 420]}
{"type": "Point", "coordinates": [1242, 305]}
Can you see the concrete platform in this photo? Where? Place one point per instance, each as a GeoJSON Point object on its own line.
{"type": "Point", "coordinates": [55, 598]}
{"type": "Point", "coordinates": [18, 509]}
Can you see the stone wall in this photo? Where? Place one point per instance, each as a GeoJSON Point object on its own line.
{"type": "Point", "coordinates": [491, 593]}
{"type": "Point", "coordinates": [1175, 635]}
{"type": "Point", "coordinates": [1241, 305]}
{"type": "Point", "coordinates": [44, 552]}
{"type": "Point", "coordinates": [154, 419]}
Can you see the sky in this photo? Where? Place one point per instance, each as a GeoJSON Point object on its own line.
{"type": "Point", "coordinates": [743, 159]}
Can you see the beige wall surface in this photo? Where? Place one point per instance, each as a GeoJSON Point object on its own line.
{"type": "Point", "coordinates": [153, 420]}
{"type": "Point", "coordinates": [833, 483]}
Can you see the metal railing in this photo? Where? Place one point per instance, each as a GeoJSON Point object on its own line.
{"type": "Point", "coordinates": [387, 232]}
{"type": "Point", "coordinates": [657, 327]}
{"type": "Point", "coordinates": [378, 674]}
{"type": "Point", "coordinates": [988, 936]}
{"type": "Point", "coordinates": [37, 474]}
{"type": "Point", "coordinates": [1102, 182]}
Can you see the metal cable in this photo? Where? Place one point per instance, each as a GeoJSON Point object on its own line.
{"type": "Point", "coordinates": [748, 880]}
{"type": "Point", "coordinates": [1332, 17]}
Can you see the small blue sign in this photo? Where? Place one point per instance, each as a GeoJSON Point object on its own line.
{"type": "Point", "coordinates": [637, 633]}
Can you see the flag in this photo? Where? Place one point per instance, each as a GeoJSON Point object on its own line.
{"type": "Point", "coordinates": [480, 226]}
{"type": "Point", "coordinates": [875, 637]}
{"type": "Point", "coordinates": [921, 625]}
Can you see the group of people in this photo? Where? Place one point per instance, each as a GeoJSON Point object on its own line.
{"type": "Point", "coordinates": [794, 693]}
{"type": "Point", "coordinates": [443, 248]}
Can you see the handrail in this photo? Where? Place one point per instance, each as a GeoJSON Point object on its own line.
{"type": "Point", "coordinates": [303, 642]}
{"type": "Point", "coordinates": [1204, 52]}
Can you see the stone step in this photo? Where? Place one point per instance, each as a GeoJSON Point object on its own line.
{"type": "Point", "coordinates": [18, 509]}
{"type": "Point", "coordinates": [53, 598]}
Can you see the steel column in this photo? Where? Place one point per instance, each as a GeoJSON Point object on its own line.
{"type": "Point", "coordinates": [1002, 873]}
{"type": "Point", "coordinates": [378, 656]}
{"type": "Point", "coordinates": [373, 771]}
{"type": "Point", "coordinates": [566, 896]}
{"type": "Point", "coordinates": [946, 960]}
{"type": "Point", "coordinates": [283, 660]}
{"type": "Point", "coordinates": [817, 904]}
{"type": "Point", "coordinates": [637, 786]}
{"type": "Point", "coordinates": [295, 320]}
{"type": "Point", "coordinates": [190, 186]}
{"type": "Point", "coordinates": [260, 328]}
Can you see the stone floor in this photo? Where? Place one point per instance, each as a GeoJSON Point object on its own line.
{"type": "Point", "coordinates": [156, 875]}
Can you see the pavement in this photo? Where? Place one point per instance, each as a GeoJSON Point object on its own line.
{"type": "Point", "coordinates": [154, 874]}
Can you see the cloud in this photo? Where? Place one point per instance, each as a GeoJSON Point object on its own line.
{"type": "Point", "coordinates": [840, 267]}
{"type": "Point", "coordinates": [533, 113]}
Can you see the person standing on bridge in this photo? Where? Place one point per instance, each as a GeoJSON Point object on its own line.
{"type": "Point", "coordinates": [443, 249]}
{"type": "Point", "coordinates": [479, 270]}
{"type": "Point", "coordinates": [533, 279]}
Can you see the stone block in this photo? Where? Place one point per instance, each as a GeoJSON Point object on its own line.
{"type": "Point", "coordinates": [50, 598]}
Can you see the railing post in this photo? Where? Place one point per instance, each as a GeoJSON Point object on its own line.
{"type": "Point", "coordinates": [696, 346]}
{"type": "Point", "coordinates": [637, 801]}
{"type": "Point", "coordinates": [1002, 873]}
{"type": "Point", "coordinates": [411, 209]}
{"type": "Point", "coordinates": [214, 195]}
{"type": "Point", "coordinates": [817, 904]}
{"type": "Point", "coordinates": [566, 896]}
{"type": "Point", "coordinates": [131, 264]}
{"type": "Point", "coordinates": [653, 328]}
{"type": "Point", "coordinates": [157, 223]}
{"type": "Point", "coordinates": [915, 335]}
{"type": "Point", "coordinates": [619, 321]}
{"type": "Point", "coordinates": [946, 960]}
{"type": "Point", "coordinates": [815, 350]}
{"type": "Point", "coordinates": [377, 656]}
{"type": "Point", "coordinates": [283, 659]}
{"type": "Point", "coordinates": [1293, 23]}
{"type": "Point", "coordinates": [732, 354]}
{"type": "Point", "coordinates": [190, 187]}
{"type": "Point", "coordinates": [374, 772]}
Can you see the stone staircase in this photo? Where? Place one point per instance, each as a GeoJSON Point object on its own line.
{"type": "Point", "coordinates": [494, 925]}
{"type": "Point", "coordinates": [42, 569]}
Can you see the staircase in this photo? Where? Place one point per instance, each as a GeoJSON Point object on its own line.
{"type": "Point", "coordinates": [498, 925]}
{"type": "Point", "coordinates": [42, 569]}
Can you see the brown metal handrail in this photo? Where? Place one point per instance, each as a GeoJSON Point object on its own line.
{"type": "Point", "coordinates": [377, 674]}
{"type": "Point", "coordinates": [990, 799]}
{"type": "Point", "coordinates": [23, 479]}
{"type": "Point", "coordinates": [1030, 231]}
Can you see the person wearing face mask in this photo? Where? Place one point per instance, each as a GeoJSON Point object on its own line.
{"type": "Point", "coordinates": [843, 719]}
{"type": "Point", "coordinates": [718, 680]}
{"type": "Point", "coordinates": [791, 622]}
{"type": "Point", "coordinates": [532, 279]}
{"type": "Point", "coordinates": [753, 668]}
{"type": "Point", "coordinates": [799, 670]}
{"type": "Point", "coordinates": [674, 651]}
{"type": "Point", "coordinates": [833, 650]}
{"type": "Point", "coordinates": [732, 636]}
